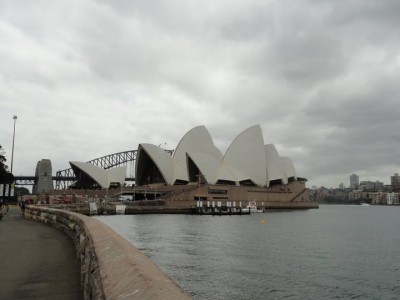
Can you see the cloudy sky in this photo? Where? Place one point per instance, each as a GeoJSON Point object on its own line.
{"type": "Point", "coordinates": [91, 78]}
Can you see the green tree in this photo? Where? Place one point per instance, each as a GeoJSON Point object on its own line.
{"type": "Point", "coordinates": [3, 166]}
{"type": "Point", "coordinates": [21, 191]}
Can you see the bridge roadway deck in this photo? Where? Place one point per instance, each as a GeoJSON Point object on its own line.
{"type": "Point", "coordinates": [36, 261]}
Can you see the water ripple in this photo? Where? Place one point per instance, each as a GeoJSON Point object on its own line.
{"type": "Point", "coordinates": [336, 252]}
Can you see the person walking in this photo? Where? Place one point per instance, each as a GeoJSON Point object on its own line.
{"type": "Point", "coordinates": [22, 204]}
{"type": "Point", "coordinates": [1, 209]}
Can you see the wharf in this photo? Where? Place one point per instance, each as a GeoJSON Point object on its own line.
{"type": "Point", "coordinates": [160, 207]}
{"type": "Point", "coordinates": [219, 211]}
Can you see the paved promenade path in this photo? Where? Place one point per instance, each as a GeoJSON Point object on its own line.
{"type": "Point", "coordinates": [36, 261]}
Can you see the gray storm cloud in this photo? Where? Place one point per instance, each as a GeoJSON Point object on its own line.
{"type": "Point", "coordinates": [92, 78]}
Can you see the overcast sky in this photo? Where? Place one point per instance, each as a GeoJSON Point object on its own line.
{"type": "Point", "coordinates": [91, 78]}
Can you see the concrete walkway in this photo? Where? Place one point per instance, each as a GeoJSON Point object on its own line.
{"type": "Point", "coordinates": [36, 261]}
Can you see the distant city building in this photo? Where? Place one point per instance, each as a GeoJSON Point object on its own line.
{"type": "Point", "coordinates": [395, 182]}
{"type": "Point", "coordinates": [341, 186]}
{"type": "Point", "coordinates": [371, 186]}
{"type": "Point", "coordinates": [379, 198]}
{"type": "Point", "coordinates": [374, 192]}
{"type": "Point", "coordinates": [392, 198]}
{"type": "Point", "coordinates": [44, 177]}
{"type": "Point", "coordinates": [358, 195]}
{"type": "Point", "coordinates": [354, 181]}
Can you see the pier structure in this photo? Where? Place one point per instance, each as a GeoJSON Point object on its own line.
{"type": "Point", "coordinates": [217, 209]}
{"type": "Point", "coordinates": [186, 199]}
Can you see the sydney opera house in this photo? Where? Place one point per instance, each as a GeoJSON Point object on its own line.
{"type": "Point", "coordinates": [249, 170]}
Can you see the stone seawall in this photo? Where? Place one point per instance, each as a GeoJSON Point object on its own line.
{"type": "Point", "coordinates": [111, 267]}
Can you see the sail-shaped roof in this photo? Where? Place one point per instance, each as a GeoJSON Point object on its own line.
{"type": "Point", "coordinates": [197, 140]}
{"type": "Point", "coordinates": [98, 175]}
{"type": "Point", "coordinates": [246, 154]}
{"type": "Point", "coordinates": [247, 161]}
{"type": "Point", "coordinates": [116, 175]}
{"type": "Point", "coordinates": [275, 169]}
{"type": "Point", "coordinates": [153, 161]}
{"type": "Point", "coordinates": [288, 167]}
{"type": "Point", "coordinates": [208, 165]}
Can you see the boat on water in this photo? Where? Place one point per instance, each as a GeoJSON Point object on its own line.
{"type": "Point", "coordinates": [252, 208]}
{"type": "Point", "coordinates": [364, 204]}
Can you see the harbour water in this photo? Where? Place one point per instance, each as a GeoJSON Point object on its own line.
{"type": "Point", "coordinates": [334, 252]}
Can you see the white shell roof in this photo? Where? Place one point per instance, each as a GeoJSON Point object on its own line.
{"type": "Point", "coordinates": [161, 158]}
{"type": "Point", "coordinates": [246, 153]}
{"type": "Point", "coordinates": [197, 140]}
{"type": "Point", "coordinates": [116, 174]}
{"type": "Point", "coordinates": [101, 176]}
{"type": "Point", "coordinates": [247, 158]}
{"type": "Point", "coordinates": [275, 169]}
{"type": "Point", "coordinates": [288, 167]}
{"type": "Point", "coordinates": [229, 173]}
{"type": "Point", "coordinates": [207, 164]}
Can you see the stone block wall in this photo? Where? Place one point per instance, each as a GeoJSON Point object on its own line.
{"type": "Point", "coordinates": [43, 174]}
{"type": "Point", "coordinates": [111, 267]}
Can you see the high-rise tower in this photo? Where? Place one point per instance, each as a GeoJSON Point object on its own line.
{"type": "Point", "coordinates": [354, 181]}
{"type": "Point", "coordinates": [395, 182]}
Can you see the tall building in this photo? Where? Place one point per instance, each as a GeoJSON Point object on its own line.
{"type": "Point", "coordinates": [354, 181]}
{"type": "Point", "coordinates": [44, 179]}
{"type": "Point", "coordinates": [392, 198]}
{"type": "Point", "coordinates": [395, 182]}
{"type": "Point", "coordinates": [371, 185]}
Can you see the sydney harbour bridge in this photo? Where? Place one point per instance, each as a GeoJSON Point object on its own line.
{"type": "Point", "coordinates": [64, 178]}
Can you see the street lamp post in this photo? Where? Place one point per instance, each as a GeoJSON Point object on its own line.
{"type": "Point", "coordinates": [12, 154]}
